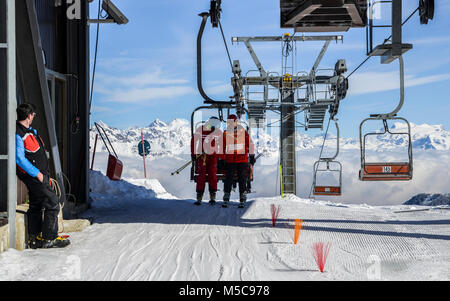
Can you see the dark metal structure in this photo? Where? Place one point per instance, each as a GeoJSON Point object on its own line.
{"type": "Point", "coordinates": [53, 74]}
{"type": "Point", "coordinates": [323, 15]}
{"type": "Point", "coordinates": [310, 92]}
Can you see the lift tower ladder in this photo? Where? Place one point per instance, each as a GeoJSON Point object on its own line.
{"type": "Point", "coordinates": [8, 70]}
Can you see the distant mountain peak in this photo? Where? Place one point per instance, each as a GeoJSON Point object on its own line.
{"type": "Point", "coordinates": [428, 199]}
{"type": "Point", "coordinates": [173, 138]}
{"type": "Point", "coordinates": [158, 123]}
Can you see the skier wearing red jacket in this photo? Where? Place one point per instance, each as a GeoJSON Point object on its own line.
{"type": "Point", "coordinates": [206, 145]}
{"type": "Point", "coordinates": [238, 151]}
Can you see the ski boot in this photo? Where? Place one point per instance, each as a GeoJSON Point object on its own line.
{"type": "Point", "coordinates": [199, 198]}
{"type": "Point", "coordinates": [242, 200]}
{"type": "Point", "coordinates": [35, 242]}
{"type": "Point", "coordinates": [226, 200]}
{"type": "Point", "coordinates": [58, 242]}
{"type": "Point", "coordinates": [212, 198]}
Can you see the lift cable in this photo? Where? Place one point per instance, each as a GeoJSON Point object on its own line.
{"type": "Point", "coordinates": [226, 45]}
{"type": "Point", "coordinates": [385, 41]}
{"type": "Point", "coordinates": [320, 155]}
{"type": "Point", "coordinates": [95, 56]}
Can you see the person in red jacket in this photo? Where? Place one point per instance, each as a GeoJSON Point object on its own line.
{"type": "Point", "coordinates": [238, 148]}
{"type": "Point", "coordinates": [206, 146]}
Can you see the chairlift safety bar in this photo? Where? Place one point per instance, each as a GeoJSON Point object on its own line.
{"type": "Point", "coordinates": [109, 142]}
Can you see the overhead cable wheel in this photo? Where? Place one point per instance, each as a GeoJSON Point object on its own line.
{"type": "Point", "coordinates": [426, 11]}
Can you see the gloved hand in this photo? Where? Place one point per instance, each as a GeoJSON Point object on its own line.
{"type": "Point", "coordinates": [221, 164]}
{"type": "Point", "coordinates": [252, 159]}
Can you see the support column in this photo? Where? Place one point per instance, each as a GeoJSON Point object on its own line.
{"type": "Point", "coordinates": [287, 143]}
{"type": "Point", "coordinates": [396, 28]}
{"type": "Point", "coordinates": [12, 105]}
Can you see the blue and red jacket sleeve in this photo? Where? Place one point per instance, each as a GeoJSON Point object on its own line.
{"type": "Point", "coordinates": [22, 161]}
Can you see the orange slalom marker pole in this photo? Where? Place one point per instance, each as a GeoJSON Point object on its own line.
{"type": "Point", "coordinates": [298, 228]}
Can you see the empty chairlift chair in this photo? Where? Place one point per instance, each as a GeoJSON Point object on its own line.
{"type": "Point", "coordinates": [328, 189]}
{"type": "Point", "coordinates": [387, 171]}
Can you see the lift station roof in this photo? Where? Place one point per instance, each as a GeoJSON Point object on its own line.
{"type": "Point", "coordinates": [323, 15]}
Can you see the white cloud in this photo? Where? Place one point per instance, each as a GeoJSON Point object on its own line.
{"type": "Point", "coordinates": [140, 80]}
{"type": "Point", "coordinates": [431, 40]}
{"type": "Point", "coordinates": [370, 82]}
{"type": "Point", "coordinates": [141, 87]}
{"type": "Point", "coordinates": [219, 89]}
{"type": "Point", "coordinates": [101, 109]}
{"type": "Point", "coordinates": [139, 95]}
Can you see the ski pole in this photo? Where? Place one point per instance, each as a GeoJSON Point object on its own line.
{"type": "Point", "coordinates": [184, 166]}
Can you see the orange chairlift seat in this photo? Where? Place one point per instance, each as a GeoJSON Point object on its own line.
{"type": "Point", "coordinates": [387, 171]}
{"type": "Point", "coordinates": [328, 190]}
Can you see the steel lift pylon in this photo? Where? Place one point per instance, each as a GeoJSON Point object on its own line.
{"type": "Point", "coordinates": [289, 102]}
{"type": "Point", "coordinates": [8, 47]}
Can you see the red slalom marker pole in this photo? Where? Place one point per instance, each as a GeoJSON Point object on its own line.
{"type": "Point", "coordinates": [143, 153]}
{"type": "Point", "coordinates": [275, 212]}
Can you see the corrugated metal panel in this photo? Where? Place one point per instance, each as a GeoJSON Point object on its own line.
{"type": "Point", "coordinates": [52, 26]}
{"type": "Point", "coordinates": [46, 14]}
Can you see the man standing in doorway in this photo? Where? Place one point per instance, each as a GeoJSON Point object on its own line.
{"type": "Point", "coordinates": [33, 170]}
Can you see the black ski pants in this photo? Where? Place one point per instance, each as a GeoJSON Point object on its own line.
{"type": "Point", "coordinates": [242, 176]}
{"type": "Point", "coordinates": [44, 208]}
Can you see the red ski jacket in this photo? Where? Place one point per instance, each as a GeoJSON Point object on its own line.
{"type": "Point", "coordinates": [206, 142]}
{"type": "Point", "coordinates": [237, 145]}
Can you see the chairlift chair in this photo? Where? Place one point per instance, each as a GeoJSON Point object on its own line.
{"type": "Point", "coordinates": [328, 190]}
{"type": "Point", "coordinates": [221, 165]}
{"type": "Point", "coordinates": [387, 171]}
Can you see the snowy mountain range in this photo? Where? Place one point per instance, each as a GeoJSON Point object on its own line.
{"type": "Point", "coordinates": [169, 139]}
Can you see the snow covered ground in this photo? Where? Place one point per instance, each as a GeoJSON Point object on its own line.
{"type": "Point", "coordinates": [141, 232]}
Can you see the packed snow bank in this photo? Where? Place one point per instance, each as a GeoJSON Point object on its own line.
{"type": "Point", "coordinates": [102, 186]}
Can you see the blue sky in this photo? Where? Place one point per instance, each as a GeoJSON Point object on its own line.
{"type": "Point", "coordinates": [147, 68]}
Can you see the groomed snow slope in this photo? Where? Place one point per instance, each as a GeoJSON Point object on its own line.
{"type": "Point", "coordinates": [137, 236]}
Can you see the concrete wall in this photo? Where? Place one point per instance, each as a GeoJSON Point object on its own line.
{"type": "Point", "coordinates": [64, 226]}
{"type": "Point", "coordinates": [20, 231]}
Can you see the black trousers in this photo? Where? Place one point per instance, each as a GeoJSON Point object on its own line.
{"type": "Point", "coordinates": [242, 177]}
{"type": "Point", "coordinates": [44, 208]}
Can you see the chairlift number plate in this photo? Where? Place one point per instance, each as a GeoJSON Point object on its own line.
{"type": "Point", "coordinates": [387, 169]}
